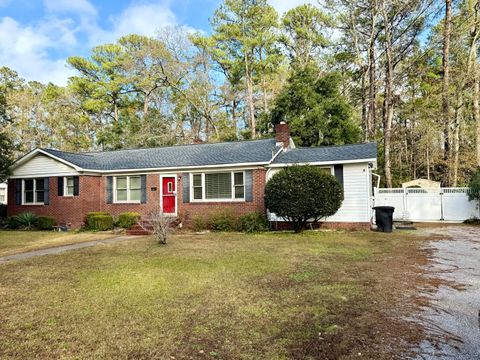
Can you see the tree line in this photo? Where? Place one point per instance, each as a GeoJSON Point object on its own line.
{"type": "Point", "coordinates": [402, 73]}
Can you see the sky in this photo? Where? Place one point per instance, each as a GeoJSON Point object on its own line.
{"type": "Point", "coordinates": [37, 36]}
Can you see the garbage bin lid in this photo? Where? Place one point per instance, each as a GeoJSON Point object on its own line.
{"type": "Point", "coordinates": [391, 208]}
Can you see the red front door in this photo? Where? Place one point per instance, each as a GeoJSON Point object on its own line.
{"type": "Point", "coordinates": [169, 194]}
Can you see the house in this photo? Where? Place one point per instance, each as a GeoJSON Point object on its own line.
{"type": "Point", "coordinates": [3, 193]}
{"type": "Point", "coordinates": [186, 181]}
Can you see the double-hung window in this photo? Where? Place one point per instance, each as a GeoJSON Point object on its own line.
{"type": "Point", "coordinates": [221, 186]}
{"type": "Point", "coordinates": [33, 191]}
{"type": "Point", "coordinates": [69, 186]}
{"type": "Point", "coordinates": [128, 189]}
{"type": "Point", "coordinates": [3, 199]}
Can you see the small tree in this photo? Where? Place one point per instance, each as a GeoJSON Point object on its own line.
{"type": "Point", "coordinates": [300, 194]}
{"type": "Point", "coordinates": [160, 224]}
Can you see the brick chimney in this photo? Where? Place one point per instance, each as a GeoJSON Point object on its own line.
{"type": "Point", "coordinates": [282, 134]}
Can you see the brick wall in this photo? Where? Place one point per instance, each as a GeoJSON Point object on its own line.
{"type": "Point", "coordinates": [92, 197]}
{"type": "Point", "coordinates": [66, 210]}
{"type": "Point", "coordinates": [189, 211]}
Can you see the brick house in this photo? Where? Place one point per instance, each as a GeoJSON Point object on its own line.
{"type": "Point", "coordinates": [185, 181]}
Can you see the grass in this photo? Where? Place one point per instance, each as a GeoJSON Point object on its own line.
{"type": "Point", "coordinates": [214, 296]}
{"type": "Point", "coordinates": [12, 242]}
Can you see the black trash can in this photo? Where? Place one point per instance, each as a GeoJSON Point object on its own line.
{"type": "Point", "coordinates": [384, 218]}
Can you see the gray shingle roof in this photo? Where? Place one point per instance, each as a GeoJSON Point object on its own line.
{"type": "Point", "coordinates": [255, 151]}
{"type": "Point", "coordinates": [328, 153]}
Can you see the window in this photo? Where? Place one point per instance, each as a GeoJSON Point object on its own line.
{"type": "Point", "coordinates": [239, 186]}
{"type": "Point", "coordinates": [218, 186]}
{"type": "Point", "coordinates": [197, 187]}
{"type": "Point", "coordinates": [2, 196]}
{"type": "Point", "coordinates": [33, 191]}
{"type": "Point", "coordinates": [327, 170]}
{"type": "Point", "coordinates": [69, 187]}
{"type": "Point", "coordinates": [128, 189]}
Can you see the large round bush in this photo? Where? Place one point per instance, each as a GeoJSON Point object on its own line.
{"type": "Point", "coordinates": [300, 194]}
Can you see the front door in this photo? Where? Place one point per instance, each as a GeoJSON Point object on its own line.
{"type": "Point", "coordinates": [169, 195]}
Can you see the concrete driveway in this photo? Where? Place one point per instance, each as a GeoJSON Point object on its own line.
{"type": "Point", "coordinates": [451, 319]}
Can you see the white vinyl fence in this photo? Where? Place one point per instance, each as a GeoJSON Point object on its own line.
{"type": "Point", "coordinates": [436, 204]}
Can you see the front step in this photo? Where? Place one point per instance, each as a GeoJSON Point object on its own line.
{"type": "Point", "coordinates": [144, 229]}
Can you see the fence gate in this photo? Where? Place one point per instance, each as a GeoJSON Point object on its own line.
{"type": "Point", "coordinates": [435, 204]}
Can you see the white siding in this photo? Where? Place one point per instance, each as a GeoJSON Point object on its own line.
{"type": "Point", "coordinates": [42, 165]}
{"type": "Point", "coordinates": [356, 187]}
{"type": "Point", "coordinates": [356, 206]}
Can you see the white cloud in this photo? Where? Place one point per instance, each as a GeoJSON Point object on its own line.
{"type": "Point", "coordinates": [28, 49]}
{"type": "Point", "coordinates": [282, 6]}
{"type": "Point", "coordinates": [143, 19]}
{"type": "Point", "coordinates": [82, 7]}
{"type": "Point", "coordinates": [25, 50]}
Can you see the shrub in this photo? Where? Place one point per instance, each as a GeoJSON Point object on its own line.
{"type": "Point", "coordinates": [3, 211]}
{"type": "Point", "coordinates": [12, 223]}
{"type": "Point", "coordinates": [26, 220]}
{"type": "Point", "coordinates": [223, 221]}
{"type": "Point", "coordinates": [198, 223]}
{"type": "Point", "coordinates": [45, 223]}
{"type": "Point", "coordinates": [95, 213]}
{"type": "Point", "coordinates": [303, 193]}
{"type": "Point", "coordinates": [253, 222]}
{"type": "Point", "coordinates": [472, 221]}
{"type": "Point", "coordinates": [100, 222]}
{"type": "Point", "coordinates": [474, 185]}
{"type": "Point", "coordinates": [127, 219]}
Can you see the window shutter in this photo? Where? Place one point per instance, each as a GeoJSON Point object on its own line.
{"type": "Point", "coordinates": [143, 184]}
{"type": "Point", "coordinates": [46, 191]}
{"type": "Point", "coordinates": [109, 191]}
{"type": "Point", "coordinates": [186, 187]}
{"type": "Point", "coordinates": [60, 186]}
{"type": "Point", "coordinates": [18, 191]}
{"type": "Point", "coordinates": [248, 186]}
{"type": "Point", "coordinates": [76, 186]}
{"type": "Point", "coordinates": [338, 171]}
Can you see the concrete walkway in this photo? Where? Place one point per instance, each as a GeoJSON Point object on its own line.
{"type": "Point", "coordinates": [63, 248]}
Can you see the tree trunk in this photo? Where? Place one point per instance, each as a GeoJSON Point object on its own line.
{"type": "Point", "coordinates": [476, 112]}
{"type": "Point", "coordinates": [145, 106]}
{"type": "Point", "coordinates": [251, 108]}
{"type": "Point", "coordinates": [372, 91]}
{"type": "Point", "coordinates": [456, 137]}
{"type": "Point", "coordinates": [473, 8]}
{"type": "Point", "coordinates": [365, 123]}
{"type": "Point", "coordinates": [445, 86]}
{"type": "Point", "coordinates": [388, 101]}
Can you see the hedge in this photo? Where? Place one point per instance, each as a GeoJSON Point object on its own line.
{"type": "Point", "coordinates": [127, 219]}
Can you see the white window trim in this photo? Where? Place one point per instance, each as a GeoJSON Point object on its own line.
{"type": "Point", "coordinates": [65, 187]}
{"type": "Point", "coordinates": [205, 200]}
{"type": "Point", "coordinates": [128, 201]}
{"type": "Point", "coordinates": [34, 193]}
{"type": "Point", "coordinates": [174, 193]}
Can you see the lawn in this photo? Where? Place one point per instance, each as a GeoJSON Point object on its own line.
{"type": "Point", "coordinates": [317, 295]}
{"type": "Point", "coordinates": [12, 242]}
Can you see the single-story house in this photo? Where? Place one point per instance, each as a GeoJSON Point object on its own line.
{"type": "Point", "coordinates": [186, 181]}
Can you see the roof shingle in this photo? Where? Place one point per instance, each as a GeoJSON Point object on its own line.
{"type": "Point", "coordinates": [255, 151]}
{"type": "Point", "coordinates": [328, 154]}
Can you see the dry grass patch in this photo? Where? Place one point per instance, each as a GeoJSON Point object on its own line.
{"type": "Point", "coordinates": [13, 242]}
{"type": "Point", "coordinates": [322, 295]}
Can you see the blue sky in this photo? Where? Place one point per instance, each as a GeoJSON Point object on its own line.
{"type": "Point", "coordinates": [36, 36]}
